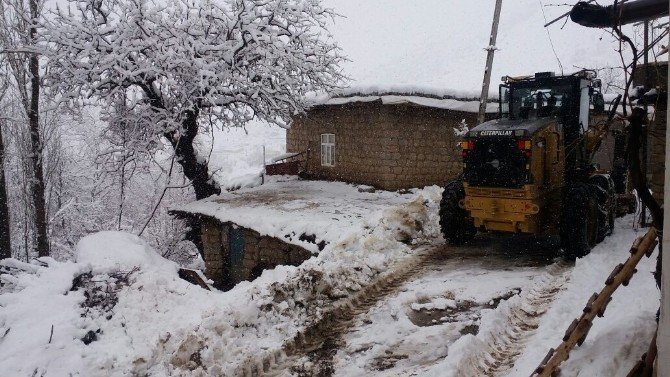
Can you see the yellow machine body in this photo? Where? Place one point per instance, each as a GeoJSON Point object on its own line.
{"type": "Point", "coordinates": [531, 209]}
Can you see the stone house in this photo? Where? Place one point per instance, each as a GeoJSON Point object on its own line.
{"type": "Point", "coordinates": [386, 141]}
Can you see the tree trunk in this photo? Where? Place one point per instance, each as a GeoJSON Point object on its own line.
{"type": "Point", "coordinates": [195, 170]}
{"type": "Point", "coordinates": [5, 241]}
{"type": "Point", "coordinates": [37, 185]}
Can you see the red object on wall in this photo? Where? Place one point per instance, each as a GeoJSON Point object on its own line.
{"type": "Point", "coordinates": [283, 168]}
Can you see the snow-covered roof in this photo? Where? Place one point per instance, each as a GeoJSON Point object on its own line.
{"type": "Point", "coordinates": [439, 45]}
{"type": "Point", "coordinates": [287, 208]}
{"type": "Point", "coordinates": [448, 103]}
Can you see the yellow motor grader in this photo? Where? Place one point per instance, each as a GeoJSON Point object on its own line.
{"type": "Point", "coordinates": [531, 171]}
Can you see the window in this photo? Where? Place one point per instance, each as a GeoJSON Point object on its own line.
{"type": "Point", "coordinates": [327, 150]}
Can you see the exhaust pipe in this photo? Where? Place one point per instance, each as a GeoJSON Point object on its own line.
{"type": "Point", "coordinates": [621, 13]}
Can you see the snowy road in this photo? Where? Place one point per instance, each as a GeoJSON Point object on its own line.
{"type": "Point", "coordinates": [410, 324]}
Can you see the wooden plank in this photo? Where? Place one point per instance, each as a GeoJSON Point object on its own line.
{"type": "Point", "coordinates": [194, 277]}
{"type": "Point", "coordinates": [576, 333]}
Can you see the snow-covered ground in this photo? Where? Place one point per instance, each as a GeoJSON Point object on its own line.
{"type": "Point", "coordinates": [121, 310]}
{"type": "Point", "coordinates": [615, 341]}
{"type": "Point", "coordinates": [446, 322]}
{"type": "Point", "coordinates": [416, 328]}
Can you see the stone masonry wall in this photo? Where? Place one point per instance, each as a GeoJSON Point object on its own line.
{"type": "Point", "coordinates": [386, 146]}
{"type": "Point", "coordinates": [213, 251]}
{"type": "Point", "coordinates": [656, 140]}
{"type": "Point", "coordinates": [260, 253]}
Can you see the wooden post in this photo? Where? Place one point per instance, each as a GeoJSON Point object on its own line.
{"type": "Point", "coordinates": [663, 340]}
{"type": "Point", "coordinates": [491, 48]}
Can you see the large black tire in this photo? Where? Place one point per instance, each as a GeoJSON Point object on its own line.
{"type": "Point", "coordinates": [579, 220]}
{"type": "Point", "coordinates": [457, 227]}
{"type": "Point", "coordinates": [603, 189]}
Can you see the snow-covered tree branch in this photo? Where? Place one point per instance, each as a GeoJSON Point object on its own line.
{"type": "Point", "coordinates": [174, 63]}
{"type": "Point", "coordinates": [19, 25]}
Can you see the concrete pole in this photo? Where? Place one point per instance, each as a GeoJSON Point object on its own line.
{"type": "Point", "coordinates": [491, 48]}
{"type": "Point", "coordinates": [663, 340]}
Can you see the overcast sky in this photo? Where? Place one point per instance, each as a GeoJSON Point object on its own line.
{"type": "Point", "coordinates": [440, 44]}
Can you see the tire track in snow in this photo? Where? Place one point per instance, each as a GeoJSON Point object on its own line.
{"type": "Point", "coordinates": [502, 346]}
{"type": "Point", "coordinates": [321, 340]}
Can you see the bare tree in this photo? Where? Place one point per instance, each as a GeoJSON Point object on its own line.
{"type": "Point", "coordinates": [5, 236]}
{"type": "Point", "coordinates": [177, 64]}
{"type": "Point", "coordinates": [18, 34]}
{"type": "Point", "coordinates": [5, 240]}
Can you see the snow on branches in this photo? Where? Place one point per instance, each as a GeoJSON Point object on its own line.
{"type": "Point", "coordinates": [233, 59]}
{"type": "Point", "coordinates": [177, 63]}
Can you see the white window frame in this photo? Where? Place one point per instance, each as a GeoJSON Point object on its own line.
{"type": "Point", "coordinates": [327, 149]}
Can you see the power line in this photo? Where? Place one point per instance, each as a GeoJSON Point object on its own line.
{"type": "Point", "coordinates": [549, 36]}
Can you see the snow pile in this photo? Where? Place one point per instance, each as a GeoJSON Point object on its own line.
{"type": "Point", "coordinates": [119, 251]}
{"type": "Point", "coordinates": [42, 301]}
{"type": "Point", "coordinates": [84, 317]}
{"type": "Point", "coordinates": [284, 300]}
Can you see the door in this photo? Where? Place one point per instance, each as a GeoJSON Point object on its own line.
{"type": "Point", "coordinates": [236, 247]}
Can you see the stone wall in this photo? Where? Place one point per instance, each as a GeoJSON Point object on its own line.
{"type": "Point", "coordinates": [658, 78]}
{"type": "Point", "coordinates": [386, 146]}
{"type": "Point", "coordinates": [213, 251]}
{"type": "Point", "coordinates": [260, 253]}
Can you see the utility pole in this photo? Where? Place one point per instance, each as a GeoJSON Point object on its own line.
{"type": "Point", "coordinates": [491, 48]}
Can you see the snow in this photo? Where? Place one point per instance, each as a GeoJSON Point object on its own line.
{"type": "Point", "coordinates": [439, 303]}
{"type": "Point", "coordinates": [287, 207]}
{"type": "Point", "coordinates": [27, 317]}
{"type": "Point", "coordinates": [428, 328]}
{"type": "Point", "coordinates": [465, 105]}
{"type": "Point", "coordinates": [443, 323]}
{"type": "Point", "coordinates": [159, 321]}
{"type": "Point", "coordinates": [283, 156]}
{"type": "Point", "coordinates": [236, 154]}
{"type": "Point", "coordinates": [616, 341]}
{"type": "Point", "coordinates": [416, 328]}
{"type": "Point", "coordinates": [428, 54]}
{"type": "Point", "coordinates": [118, 251]}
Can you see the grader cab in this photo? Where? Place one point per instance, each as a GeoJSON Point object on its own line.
{"type": "Point", "coordinates": [531, 171]}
